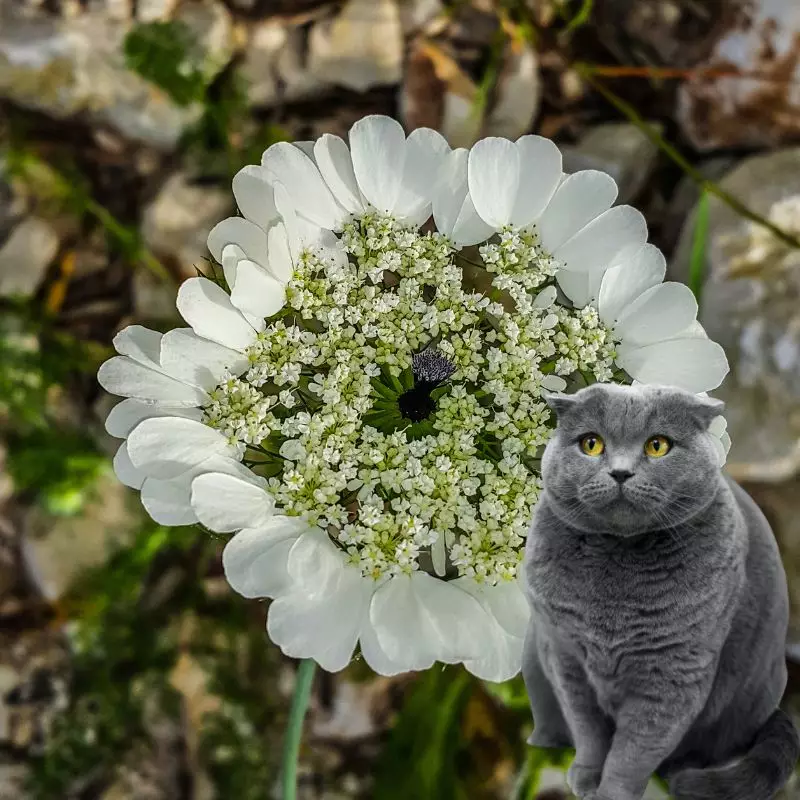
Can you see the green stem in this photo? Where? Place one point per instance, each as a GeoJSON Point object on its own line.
{"type": "Point", "coordinates": [294, 729]}
{"type": "Point", "coordinates": [587, 72]}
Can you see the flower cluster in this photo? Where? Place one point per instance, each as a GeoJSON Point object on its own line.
{"type": "Point", "coordinates": [360, 393]}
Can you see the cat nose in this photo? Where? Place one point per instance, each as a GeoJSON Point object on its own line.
{"type": "Point", "coordinates": [620, 475]}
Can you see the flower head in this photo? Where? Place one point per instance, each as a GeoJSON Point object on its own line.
{"type": "Point", "coordinates": [360, 391]}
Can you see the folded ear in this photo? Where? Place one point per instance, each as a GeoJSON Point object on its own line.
{"type": "Point", "coordinates": [705, 409]}
{"type": "Point", "coordinates": [559, 401]}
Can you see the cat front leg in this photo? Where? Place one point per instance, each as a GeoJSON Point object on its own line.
{"type": "Point", "coordinates": [590, 728]}
{"type": "Point", "coordinates": [648, 729]}
{"type": "Point", "coordinates": [550, 728]}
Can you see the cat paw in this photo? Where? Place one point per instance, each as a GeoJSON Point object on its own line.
{"type": "Point", "coordinates": [584, 780]}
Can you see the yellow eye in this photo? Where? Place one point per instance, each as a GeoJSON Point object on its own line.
{"type": "Point", "coordinates": [592, 444]}
{"type": "Point", "coordinates": [657, 446]}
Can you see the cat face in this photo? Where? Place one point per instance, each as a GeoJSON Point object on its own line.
{"type": "Point", "coordinates": [626, 460]}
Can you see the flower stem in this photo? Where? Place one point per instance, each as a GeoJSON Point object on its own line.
{"type": "Point", "coordinates": [294, 729]}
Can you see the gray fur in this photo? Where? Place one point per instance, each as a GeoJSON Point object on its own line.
{"type": "Point", "coordinates": [659, 608]}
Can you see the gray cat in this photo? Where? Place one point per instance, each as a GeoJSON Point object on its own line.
{"type": "Point", "coordinates": [659, 604]}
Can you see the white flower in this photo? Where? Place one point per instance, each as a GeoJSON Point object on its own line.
{"type": "Point", "coordinates": [360, 403]}
{"type": "Point", "coordinates": [383, 168]}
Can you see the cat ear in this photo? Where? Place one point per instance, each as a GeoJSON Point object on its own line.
{"type": "Point", "coordinates": [705, 409]}
{"type": "Point", "coordinates": [559, 401]}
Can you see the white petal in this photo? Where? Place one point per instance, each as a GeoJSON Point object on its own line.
{"type": "Point", "coordinates": [314, 561]}
{"type": "Point", "coordinates": [439, 556]}
{"type": "Point", "coordinates": [122, 376]}
{"type": "Point", "coordinates": [310, 194]}
{"type": "Point", "coordinates": [692, 363]}
{"type": "Point", "coordinates": [453, 209]}
{"type": "Point", "coordinates": [577, 201]}
{"type": "Point", "coordinates": [597, 245]}
{"type": "Point", "coordinates": [509, 607]}
{"type": "Point", "coordinates": [425, 151]}
{"type": "Point", "coordinates": [139, 343]}
{"type": "Point", "coordinates": [190, 358]}
{"type": "Point", "coordinates": [545, 298]}
{"type": "Point", "coordinates": [555, 383]}
{"type": "Point", "coordinates": [124, 469]}
{"type": "Point", "coordinates": [377, 145]}
{"type": "Point", "coordinates": [167, 501]}
{"type": "Point", "coordinates": [254, 196]}
{"type": "Point", "coordinates": [493, 174]}
{"type": "Point", "coordinates": [419, 619]}
{"type": "Point", "coordinates": [324, 626]}
{"type": "Point", "coordinates": [718, 426]}
{"type": "Point", "coordinates": [374, 654]}
{"type": "Point", "coordinates": [305, 146]}
{"type": "Point", "coordinates": [336, 167]}
{"type": "Point", "coordinates": [257, 293]}
{"type": "Point", "coordinates": [662, 312]}
{"type": "Point", "coordinates": [125, 416]}
{"type": "Point", "coordinates": [509, 613]}
{"type": "Point", "coordinates": [575, 286]}
{"type": "Point", "coordinates": [227, 503]}
{"type": "Point", "coordinates": [623, 283]}
{"type": "Point", "coordinates": [502, 658]}
{"type": "Point", "coordinates": [232, 254]}
{"type": "Point", "coordinates": [164, 447]}
{"type": "Point", "coordinates": [209, 311]}
{"type": "Point", "coordinates": [280, 255]}
{"type": "Point", "coordinates": [235, 230]}
{"type": "Point", "coordinates": [540, 174]}
{"type": "Point", "coordinates": [301, 233]}
{"type": "Point", "coordinates": [255, 559]}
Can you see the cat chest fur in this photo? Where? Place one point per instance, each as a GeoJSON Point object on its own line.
{"type": "Point", "coordinates": [626, 608]}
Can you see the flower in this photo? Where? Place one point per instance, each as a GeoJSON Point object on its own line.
{"type": "Point", "coordinates": [358, 399]}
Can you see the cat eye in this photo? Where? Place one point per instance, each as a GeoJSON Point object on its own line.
{"type": "Point", "coordinates": [592, 444]}
{"type": "Point", "coordinates": [657, 446]}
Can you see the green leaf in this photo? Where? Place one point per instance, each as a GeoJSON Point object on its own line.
{"type": "Point", "coordinates": [420, 759]}
{"type": "Point", "coordinates": [697, 265]}
{"type": "Point", "coordinates": [163, 53]}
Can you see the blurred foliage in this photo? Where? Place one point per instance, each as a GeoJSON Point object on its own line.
{"type": "Point", "coordinates": [46, 457]}
{"type": "Point", "coordinates": [225, 137]}
{"type": "Point", "coordinates": [163, 53]}
{"type": "Point", "coordinates": [459, 738]}
{"type": "Point", "coordinates": [131, 623]}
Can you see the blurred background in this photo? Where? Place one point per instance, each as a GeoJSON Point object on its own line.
{"type": "Point", "coordinates": [128, 670]}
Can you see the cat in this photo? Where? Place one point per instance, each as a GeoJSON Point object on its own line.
{"type": "Point", "coordinates": [659, 605]}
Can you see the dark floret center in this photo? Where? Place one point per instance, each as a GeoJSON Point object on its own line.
{"type": "Point", "coordinates": [431, 369]}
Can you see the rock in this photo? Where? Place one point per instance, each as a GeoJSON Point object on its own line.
{"type": "Point", "coordinates": [34, 681]}
{"type": "Point", "coordinates": [437, 92]}
{"type": "Point", "coordinates": [12, 781]}
{"type": "Point", "coordinates": [153, 298]}
{"type": "Point", "coordinates": [519, 93]}
{"type": "Point", "coordinates": [750, 301]}
{"type": "Point", "coordinates": [725, 110]}
{"type": "Point", "coordinates": [350, 718]}
{"type": "Point", "coordinates": [155, 10]}
{"type": "Point", "coordinates": [417, 14]}
{"type": "Point", "coordinates": [275, 67]}
{"type": "Point", "coordinates": [76, 65]}
{"type": "Point", "coordinates": [361, 47]}
{"type": "Point", "coordinates": [56, 550]}
{"type": "Point", "coordinates": [778, 501]}
{"type": "Point", "coordinates": [618, 148]}
{"type": "Point", "coordinates": [175, 224]}
{"type": "Point", "coordinates": [25, 256]}
{"type": "Point", "coordinates": [210, 26]}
